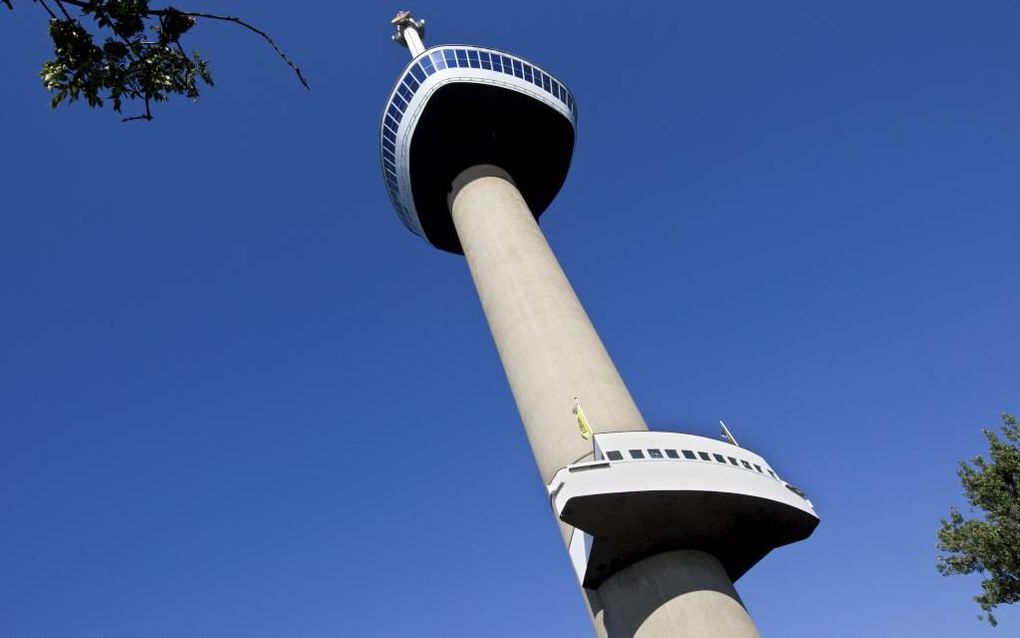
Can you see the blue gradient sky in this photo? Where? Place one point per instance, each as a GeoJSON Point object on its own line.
{"type": "Point", "coordinates": [237, 398]}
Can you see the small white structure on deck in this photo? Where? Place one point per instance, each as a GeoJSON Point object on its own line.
{"type": "Point", "coordinates": [650, 492]}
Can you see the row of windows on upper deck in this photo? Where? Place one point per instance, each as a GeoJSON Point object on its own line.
{"type": "Point", "coordinates": [473, 59]}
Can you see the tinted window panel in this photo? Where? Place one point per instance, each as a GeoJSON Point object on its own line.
{"type": "Point", "coordinates": [655, 454]}
{"type": "Point", "coordinates": [613, 455]}
{"type": "Point", "coordinates": [720, 458]}
{"type": "Point", "coordinates": [637, 454]}
{"type": "Point", "coordinates": [733, 461]}
{"type": "Point", "coordinates": [745, 463]}
{"type": "Point", "coordinates": [704, 456]}
{"type": "Point", "coordinates": [689, 454]}
{"type": "Point", "coordinates": [757, 467]}
{"type": "Point", "coordinates": [672, 454]}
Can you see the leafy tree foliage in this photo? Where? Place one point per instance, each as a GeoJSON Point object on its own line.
{"type": "Point", "coordinates": [990, 543]}
{"type": "Point", "coordinates": [107, 52]}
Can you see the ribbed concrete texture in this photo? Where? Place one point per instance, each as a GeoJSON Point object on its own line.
{"type": "Point", "coordinates": [549, 349]}
{"type": "Point", "coordinates": [681, 593]}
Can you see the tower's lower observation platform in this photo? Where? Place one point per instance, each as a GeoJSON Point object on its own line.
{"type": "Point", "coordinates": [651, 492]}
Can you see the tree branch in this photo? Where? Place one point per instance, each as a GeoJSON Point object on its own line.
{"type": "Point", "coordinates": [81, 4]}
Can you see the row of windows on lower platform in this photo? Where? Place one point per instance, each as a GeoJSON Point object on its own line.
{"type": "Point", "coordinates": [691, 455]}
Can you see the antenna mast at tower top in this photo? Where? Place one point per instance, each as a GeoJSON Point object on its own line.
{"type": "Point", "coordinates": [409, 32]}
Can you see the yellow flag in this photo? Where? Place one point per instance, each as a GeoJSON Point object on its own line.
{"type": "Point", "coordinates": [582, 421]}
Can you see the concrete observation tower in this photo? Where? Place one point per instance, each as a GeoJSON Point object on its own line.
{"type": "Point", "coordinates": [475, 144]}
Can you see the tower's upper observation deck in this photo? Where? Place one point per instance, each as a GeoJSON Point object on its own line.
{"type": "Point", "coordinates": [457, 106]}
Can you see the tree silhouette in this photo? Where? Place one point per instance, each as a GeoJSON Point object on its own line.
{"type": "Point", "coordinates": [990, 543]}
{"type": "Point", "coordinates": [108, 52]}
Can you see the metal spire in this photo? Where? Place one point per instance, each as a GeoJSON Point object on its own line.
{"type": "Point", "coordinates": [409, 32]}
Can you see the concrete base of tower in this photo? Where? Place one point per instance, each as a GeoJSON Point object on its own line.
{"type": "Point", "coordinates": [678, 593]}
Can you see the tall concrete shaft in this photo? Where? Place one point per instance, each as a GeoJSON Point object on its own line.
{"type": "Point", "coordinates": [551, 354]}
{"type": "Point", "coordinates": [549, 349]}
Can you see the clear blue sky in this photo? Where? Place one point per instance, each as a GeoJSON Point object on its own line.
{"type": "Point", "coordinates": [237, 398]}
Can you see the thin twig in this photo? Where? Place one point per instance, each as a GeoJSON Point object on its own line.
{"type": "Point", "coordinates": [252, 28]}
{"type": "Point", "coordinates": [184, 55]}
{"type": "Point", "coordinates": [8, 3]}
{"type": "Point", "coordinates": [147, 116]}
{"type": "Point", "coordinates": [48, 10]}
{"type": "Point", "coordinates": [63, 10]}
